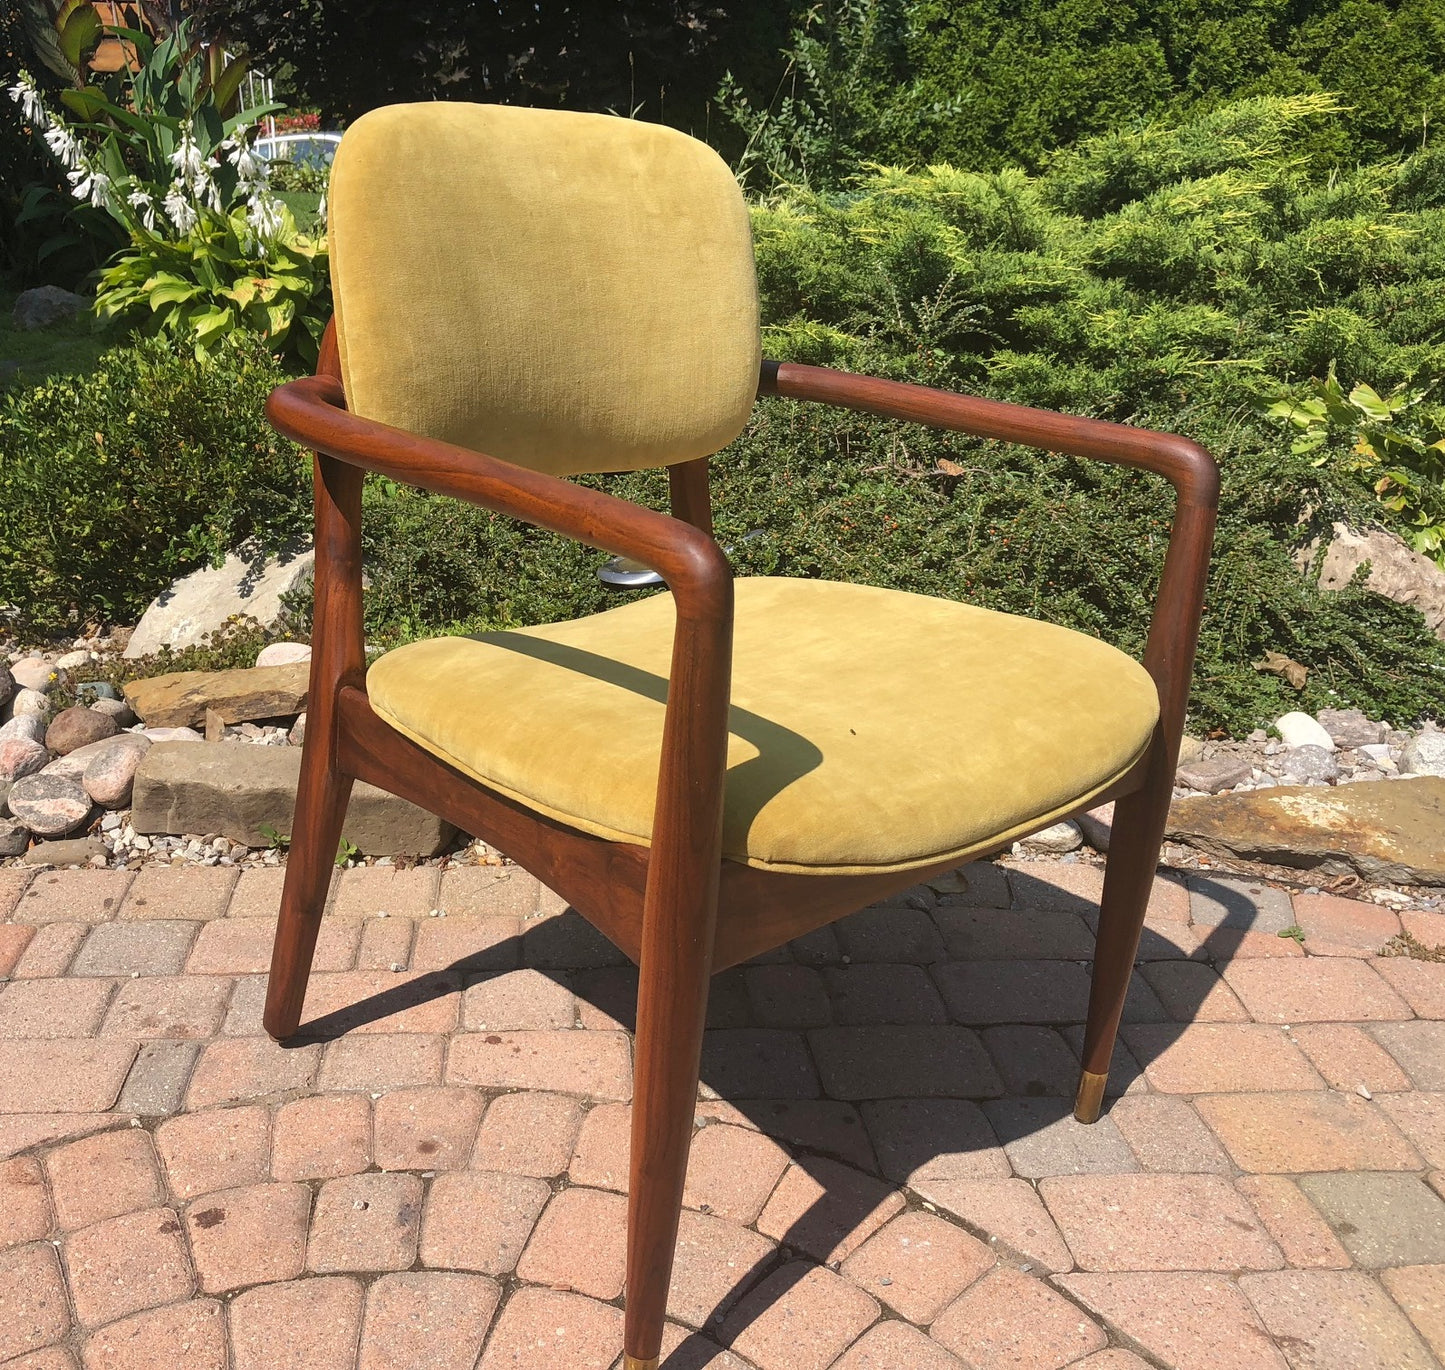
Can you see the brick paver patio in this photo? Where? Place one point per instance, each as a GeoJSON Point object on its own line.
{"type": "Point", "coordinates": [885, 1177]}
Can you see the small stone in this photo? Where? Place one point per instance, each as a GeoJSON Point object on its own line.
{"type": "Point", "coordinates": [1190, 748]}
{"type": "Point", "coordinates": [7, 683]}
{"type": "Point", "coordinates": [45, 305]}
{"type": "Point", "coordinates": [49, 805]}
{"type": "Point", "coordinates": [14, 838]}
{"type": "Point", "coordinates": [1300, 730]}
{"type": "Point", "coordinates": [88, 691]}
{"type": "Point", "coordinates": [1213, 774]}
{"type": "Point", "coordinates": [31, 726]}
{"type": "Point", "coordinates": [73, 661]}
{"type": "Point", "coordinates": [29, 702]}
{"type": "Point", "coordinates": [74, 851]}
{"type": "Point", "coordinates": [283, 653]}
{"type": "Point", "coordinates": [1378, 754]}
{"type": "Point", "coordinates": [1096, 825]}
{"type": "Point", "coordinates": [19, 756]}
{"type": "Point", "coordinates": [33, 673]}
{"type": "Point", "coordinates": [1424, 754]}
{"type": "Point", "coordinates": [1060, 837]}
{"type": "Point", "coordinates": [1351, 727]}
{"type": "Point", "coordinates": [78, 726]}
{"type": "Point", "coordinates": [118, 709]}
{"type": "Point", "coordinates": [110, 773]}
{"type": "Point", "coordinates": [1308, 764]}
{"type": "Point", "coordinates": [173, 735]}
{"type": "Point", "coordinates": [297, 736]}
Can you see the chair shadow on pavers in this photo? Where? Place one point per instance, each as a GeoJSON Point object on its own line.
{"type": "Point", "coordinates": [919, 1045]}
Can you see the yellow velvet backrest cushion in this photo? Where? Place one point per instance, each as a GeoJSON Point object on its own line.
{"type": "Point", "coordinates": [570, 292]}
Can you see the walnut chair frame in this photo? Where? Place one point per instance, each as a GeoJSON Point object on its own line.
{"type": "Point", "coordinates": [660, 904]}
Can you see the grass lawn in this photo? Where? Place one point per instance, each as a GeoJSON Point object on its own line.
{"type": "Point", "coordinates": [63, 349]}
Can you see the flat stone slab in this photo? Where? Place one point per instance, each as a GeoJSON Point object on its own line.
{"type": "Point", "coordinates": [1385, 831]}
{"type": "Point", "coordinates": [181, 699]}
{"type": "Point", "coordinates": [238, 789]}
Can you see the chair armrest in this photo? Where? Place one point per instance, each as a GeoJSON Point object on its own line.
{"type": "Point", "coordinates": [1174, 626]}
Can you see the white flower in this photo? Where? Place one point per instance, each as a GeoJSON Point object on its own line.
{"type": "Point", "coordinates": [250, 169]}
{"type": "Point", "coordinates": [264, 215]}
{"type": "Point", "coordinates": [321, 208]}
{"type": "Point", "coordinates": [141, 200]}
{"type": "Point", "coordinates": [187, 158]}
{"type": "Point", "coordinates": [179, 209]}
{"type": "Point", "coordinates": [204, 187]}
{"type": "Point", "coordinates": [90, 183]}
{"type": "Point", "coordinates": [65, 147]}
{"type": "Point", "coordinates": [25, 94]}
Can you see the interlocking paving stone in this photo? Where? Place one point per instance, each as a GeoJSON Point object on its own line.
{"type": "Point", "coordinates": [981, 884]}
{"type": "Point", "coordinates": [891, 934]}
{"type": "Point", "coordinates": [365, 1223]}
{"type": "Point", "coordinates": [426, 1129]}
{"type": "Point", "coordinates": [489, 891]}
{"type": "Point", "coordinates": [731, 1171]}
{"type": "Point", "coordinates": [52, 1358]}
{"type": "Point", "coordinates": [363, 890]}
{"type": "Point", "coordinates": [1291, 1134]}
{"type": "Point", "coordinates": [150, 948]}
{"type": "Point", "coordinates": [544, 1329]}
{"type": "Point", "coordinates": [918, 1264]}
{"type": "Point", "coordinates": [1194, 993]}
{"type": "Point", "coordinates": [1318, 989]}
{"type": "Point", "coordinates": [800, 1318]}
{"type": "Point", "coordinates": [14, 938]}
{"type": "Point", "coordinates": [1420, 983]}
{"type": "Point", "coordinates": [567, 941]}
{"type": "Point", "coordinates": [1166, 1134]}
{"type": "Point", "coordinates": [382, 1060]}
{"type": "Point", "coordinates": [103, 1177]}
{"type": "Point", "coordinates": [1421, 1117]}
{"type": "Point", "coordinates": [1420, 1292]}
{"type": "Point", "coordinates": [1294, 1222]}
{"type": "Point", "coordinates": [717, 1260]}
{"type": "Point", "coordinates": [1055, 885]}
{"type": "Point", "coordinates": [435, 1319]}
{"type": "Point", "coordinates": [1158, 1222]}
{"type": "Point", "coordinates": [817, 948]}
{"type": "Point", "coordinates": [1009, 1318]}
{"type": "Point", "coordinates": [826, 1209]}
{"type": "Point", "coordinates": [1214, 1058]}
{"type": "Point", "coordinates": [1190, 1322]}
{"type": "Point", "coordinates": [984, 992]}
{"type": "Point", "coordinates": [579, 1243]}
{"type": "Point", "coordinates": [256, 893]}
{"type": "Point", "coordinates": [943, 1139]}
{"type": "Point", "coordinates": [33, 1307]}
{"type": "Point", "coordinates": [301, 1325]}
{"type": "Point", "coordinates": [75, 896]}
{"type": "Point", "coordinates": [787, 996]}
{"type": "Point", "coordinates": [604, 1148]}
{"type": "Point", "coordinates": [385, 942]}
{"type": "Point", "coordinates": [156, 1084]}
{"type": "Point", "coordinates": [1032, 1060]}
{"type": "Point", "coordinates": [20, 1131]}
{"type": "Point", "coordinates": [765, 1063]}
{"type": "Point", "coordinates": [1222, 901]}
{"type": "Point", "coordinates": [25, 1212]}
{"type": "Point", "coordinates": [53, 1008]}
{"type": "Point", "coordinates": [225, 1148]}
{"type": "Point", "coordinates": [50, 951]}
{"type": "Point", "coordinates": [594, 1064]}
{"type": "Point", "coordinates": [1343, 927]}
{"type": "Point", "coordinates": [516, 1000]}
{"type": "Point", "coordinates": [1381, 1220]}
{"type": "Point", "coordinates": [901, 1062]}
{"type": "Point", "coordinates": [126, 1264]}
{"type": "Point", "coordinates": [238, 1069]}
{"type": "Point", "coordinates": [1330, 1319]}
{"type": "Point", "coordinates": [63, 1075]}
{"type": "Point", "coordinates": [1008, 1210]}
{"type": "Point", "coordinates": [13, 881]}
{"type": "Point", "coordinates": [248, 1236]}
{"type": "Point", "coordinates": [196, 893]}
{"type": "Point", "coordinates": [892, 1344]}
{"type": "Point", "coordinates": [242, 946]}
{"type": "Point", "coordinates": [1042, 1137]}
{"type": "Point", "coordinates": [877, 992]}
{"type": "Point", "coordinates": [825, 1126]}
{"type": "Point", "coordinates": [466, 945]}
{"type": "Point", "coordinates": [190, 1334]}
{"type": "Point", "coordinates": [363, 1001]}
{"type": "Point", "coordinates": [479, 1221]}
{"type": "Point", "coordinates": [320, 1138]}
{"type": "Point", "coordinates": [1348, 1057]}
{"type": "Point", "coordinates": [167, 1006]}
{"type": "Point", "coordinates": [1419, 1047]}
{"type": "Point", "coordinates": [529, 1133]}
{"type": "Point", "coordinates": [989, 934]}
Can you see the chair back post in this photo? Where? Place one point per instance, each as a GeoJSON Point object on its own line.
{"type": "Point", "coordinates": [691, 493]}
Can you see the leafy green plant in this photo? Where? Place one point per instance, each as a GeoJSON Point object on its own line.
{"type": "Point", "coordinates": [1396, 440]}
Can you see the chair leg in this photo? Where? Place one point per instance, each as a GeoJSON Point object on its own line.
{"type": "Point", "coordinates": [1138, 833]}
{"type": "Point", "coordinates": [321, 799]}
{"type": "Point", "coordinates": [671, 1010]}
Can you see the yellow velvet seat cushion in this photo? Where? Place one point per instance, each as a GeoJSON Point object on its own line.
{"type": "Point", "coordinates": [569, 292]}
{"type": "Point", "coordinates": [871, 730]}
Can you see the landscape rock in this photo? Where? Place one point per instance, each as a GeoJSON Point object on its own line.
{"type": "Point", "coordinates": [33, 673]}
{"type": "Point", "coordinates": [1190, 748]}
{"type": "Point", "coordinates": [297, 736]}
{"type": "Point", "coordinates": [24, 725]}
{"type": "Point", "coordinates": [180, 700]}
{"type": "Point", "coordinates": [49, 805]}
{"type": "Point", "coordinates": [1424, 754]}
{"type": "Point", "coordinates": [21, 756]}
{"type": "Point", "coordinates": [28, 701]}
{"type": "Point", "coordinates": [74, 851]}
{"type": "Point", "coordinates": [73, 661]}
{"type": "Point", "coordinates": [1390, 832]}
{"type": "Point", "coordinates": [118, 709]}
{"type": "Point", "coordinates": [1096, 825]}
{"type": "Point", "coordinates": [1215, 773]}
{"type": "Point", "coordinates": [236, 789]}
{"type": "Point", "coordinates": [1300, 730]}
{"type": "Point", "coordinates": [78, 726]}
{"type": "Point", "coordinates": [7, 683]}
{"type": "Point", "coordinates": [46, 305]}
{"type": "Point", "coordinates": [1059, 837]}
{"type": "Point", "coordinates": [89, 691]}
{"type": "Point", "coordinates": [173, 735]}
{"type": "Point", "coordinates": [14, 837]}
{"type": "Point", "coordinates": [283, 653]}
{"type": "Point", "coordinates": [246, 583]}
{"type": "Point", "coordinates": [110, 773]}
{"type": "Point", "coordinates": [1309, 763]}
{"type": "Point", "coordinates": [1406, 576]}
{"type": "Point", "coordinates": [1351, 727]}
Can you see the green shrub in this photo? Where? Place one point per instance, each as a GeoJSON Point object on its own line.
{"type": "Point", "coordinates": [157, 463]}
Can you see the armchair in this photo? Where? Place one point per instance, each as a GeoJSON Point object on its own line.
{"type": "Point", "coordinates": [711, 772]}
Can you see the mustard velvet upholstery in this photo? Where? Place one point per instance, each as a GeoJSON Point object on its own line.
{"type": "Point", "coordinates": [569, 292]}
{"type": "Point", "coordinates": [871, 729]}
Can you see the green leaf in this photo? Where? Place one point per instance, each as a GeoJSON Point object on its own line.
{"type": "Point", "coordinates": [79, 33]}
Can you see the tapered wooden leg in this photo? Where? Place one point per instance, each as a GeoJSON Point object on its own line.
{"type": "Point", "coordinates": [671, 1008]}
{"type": "Point", "coordinates": [321, 800]}
{"type": "Point", "coordinates": [1138, 832]}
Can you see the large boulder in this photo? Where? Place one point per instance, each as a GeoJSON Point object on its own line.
{"type": "Point", "coordinates": [1395, 571]}
{"type": "Point", "coordinates": [1390, 830]}
{"type": "Point", "coordinates": [21, 756]}
{"type": "Point", "coordinates": [46, 305]}
{"type": "Point", "coordinates": [239, 789]}
{"type": "Point", "coordinates": [247, 583]}
{"type": "Point", "coordinates": [49, 805]}
{"type": "Point", "coordinates": [182, 699]}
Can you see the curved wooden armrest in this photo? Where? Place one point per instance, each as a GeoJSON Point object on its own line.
{"type": "Point", "coordinates": [1174, 627]}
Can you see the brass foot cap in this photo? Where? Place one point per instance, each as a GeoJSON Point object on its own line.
{"type": "Point", "coordinates": [1090, 1098]}
{"type": "Point", "coordinates": [635, 1363]}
